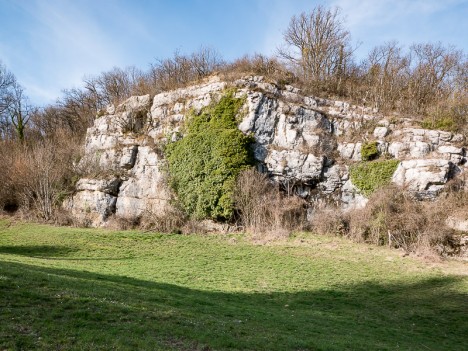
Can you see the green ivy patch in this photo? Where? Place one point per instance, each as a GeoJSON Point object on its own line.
{"type": "Point", "coordinates": [204, 165]}
{"type": "Point", "coordinates": [369, 176]}
{"type": "Point", "coordinates": [369, 151]}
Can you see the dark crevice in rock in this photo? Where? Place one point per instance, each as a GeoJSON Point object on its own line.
{"type": "Point", "coordinates": [111, 208]}
{"type": "Point", "coordinates": [134, 156]}
{"type": "Point", "coordinates": [453, 171]}
{"type": "Point", "coordinates": [112, 189]}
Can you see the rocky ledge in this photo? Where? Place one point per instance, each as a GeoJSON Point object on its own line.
{"type": "Point", "coordinates": [305, 143]}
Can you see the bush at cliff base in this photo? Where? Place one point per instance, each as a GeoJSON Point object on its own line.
{"type": "Point", "coordinates": [205, 163]}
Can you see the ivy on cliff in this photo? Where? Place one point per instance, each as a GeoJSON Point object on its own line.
{"type": "Point", "coordinates": [370, 176]}
{"type": "Point", "coordinates": [204, 165]}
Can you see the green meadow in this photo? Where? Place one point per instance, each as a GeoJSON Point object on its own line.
{"type": "Point", "coordinates": [92, 289]}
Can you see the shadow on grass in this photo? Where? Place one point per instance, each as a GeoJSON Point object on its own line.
{"type": "Point", "coordinates": [54, 252]}
{"type": "Point", "coordinates": [69, 309]}
{"type": "Point", "coordinates": [42, 251]}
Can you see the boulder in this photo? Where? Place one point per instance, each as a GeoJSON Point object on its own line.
{"type": "Point", "coordinates": [351, 197]}
{"type": "Point", "coordinates": [458, 223]}
{"type": "Point", "coordinates": [291, 164]}
{"type": "Point", "coordinates": [95, 199]}
{"type": "Point", "coordinates": [381, 132]}
{"type": "Point", "coordinates": [425, 177]}
{"type": "Point", "coordinates": [128, 157]}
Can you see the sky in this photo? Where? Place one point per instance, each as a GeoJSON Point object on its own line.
{"type": "Point", "coordinates": [51, 45]}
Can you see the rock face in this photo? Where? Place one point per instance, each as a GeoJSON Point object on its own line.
{"type": "Point", "coordinates": [304, 143]}
{"type": "Point", "coordinates": [425, 178]}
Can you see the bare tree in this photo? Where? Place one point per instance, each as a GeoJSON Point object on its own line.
{"type": "Point", "coordinates": [20, 111]}
{"type": "Point", "coordinates": [175, 72]}
{"type": "Point", "coordinates": [77, 109]}
{"type": "Point", "coordinates": [386, 75]}
{"type": "Point", "coordinates": [15, 110]}
{"type": "Point", "coordinates": [317, 46]}
{"type": "Point", "coordinates": [114, 86]}
{"type": "Point", "coordinates": [433, 75]}
{"type": "Point", "coordinates": [461, 79]}
{"type": "Point", "coordinates": [7, 79]}
{"type": "Point", "coordinates": [205, 61]}
{"type": "Point", "coordinates": [43, 174]}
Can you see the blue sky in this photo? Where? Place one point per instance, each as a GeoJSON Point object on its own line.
{"type": "Point", "coordinates": [51, 45]}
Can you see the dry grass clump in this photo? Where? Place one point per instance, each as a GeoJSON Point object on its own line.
{"type": "Point", "coordinates": [172, 220]}
{"type": "Point", "coordinates": [390, 218]}
{"type": "Point", "coordinates": [264, 209]}
{"type": "Point", "coordinates": [269, 67]}
{"type": "Point", "coordinates": [396, 219]}
{"type": "Point", "coordinates": [330, 220]}
{"type": "Point", "coordinates": [121, 222]}
{"type": "Point", "coordinates": [181, 70]}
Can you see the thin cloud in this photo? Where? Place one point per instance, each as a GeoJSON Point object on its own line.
{"type": "Point", "coordinates": [275, 22]}
{"type": "Point", "coordinates": [383, 12]}
{"type": "Point", "coordinates": [374, 22]}
{"type": "Point", "coordinates": [57, 42]}
{"type": "Point", "coordinates": [39, 92]}
{"type": "Point", "coordinates": [384, 17]}
{"type": "Point", "coordinates": [68, 42]}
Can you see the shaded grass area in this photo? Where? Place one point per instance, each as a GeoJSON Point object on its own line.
{"type": "Point", "coordinates": [127, 290]}
{"type": "Point", "coordinates": [43, 251]}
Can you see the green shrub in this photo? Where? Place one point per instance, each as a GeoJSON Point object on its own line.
{"type": "Point", "coordinates": [370, 176]}
{"type": "Point", "coordinates": [446, 123]}
{"type": "Point", "coordinates": [450, 116]}
{"type": "Point", "coordinates": [369, 151]}
{"type": "Point", "coordinates": [204, 165]}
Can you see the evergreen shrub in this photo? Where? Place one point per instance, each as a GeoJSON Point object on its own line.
{"type": "Point", "coordinates": [204, 164]}
{"type": "Point", "coordinates": [370, 176]}
{"type": "Point", "coordinates": [369, 151]}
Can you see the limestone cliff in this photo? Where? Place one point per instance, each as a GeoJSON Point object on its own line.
{"type": "Point", "coordinates": [304, 142]}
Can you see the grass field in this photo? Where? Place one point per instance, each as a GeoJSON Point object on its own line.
{"type": "Point", "coordinates": [89, 289]}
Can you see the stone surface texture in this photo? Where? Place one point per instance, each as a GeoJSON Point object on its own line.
{"type": "Point", "coordinates": [305, 143]}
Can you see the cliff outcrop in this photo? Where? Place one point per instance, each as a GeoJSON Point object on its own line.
{"type": "Point", "coordinates": [307, 144]}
